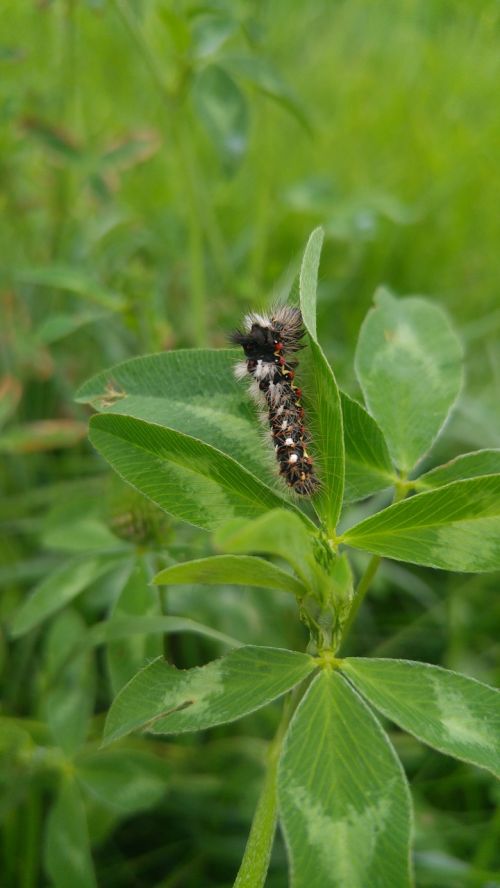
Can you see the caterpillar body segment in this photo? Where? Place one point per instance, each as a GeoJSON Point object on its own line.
{"type": "Point", "coordinates": [268, 342]}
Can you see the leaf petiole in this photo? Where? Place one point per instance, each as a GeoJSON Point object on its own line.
{"type": "Point", "coordinates": [402, 487]}
{"type": "Point", "coordinates": [255, 863]}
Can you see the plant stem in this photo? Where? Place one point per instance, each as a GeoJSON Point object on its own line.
{"type": "Point", "coordinates": [197, 275]}
{"type": "Point", "coordinates": [29, 877]}
{"type": "Point", "coordinates": [64, 188]}
{"type": "Point", "coordinates": [361, 590]}
{"type": "Point", "coordinates": [253, 870]}
{"type": "Point", "coordinates": [164, 610]}
{"type": "Point", "coordinates": [132, 25]}
{"type": "Point", "coordinates": [401, 489]}
{"type": "Point", "coordinates": [263, 203]}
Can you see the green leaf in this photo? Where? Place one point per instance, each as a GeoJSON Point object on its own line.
{"type": "Point", "coordinates": [75, 280]}
{"type": "Point", "coordinates": [468, 465]}
{"type": "Point", "coordinates": [185, 477]}
{"type": "Point", "coordinates": [453, 713]}
{"type": "Point", "coordinates": [321, 396]}
{"type": "Point", "coordinates": [210, 32]}
{"type": "Point", "coordinates": [308, 281]}
{"type": "Point", "coordinates": [10, 394]}
{"type": "Point", "coordinates": [129, 780]}
{"type": "Point", "coordinates": [120, 628]}
{"type": "Point", "coordinates": [222, 109]}
{"type": "Point", "coordinates": [344, 801]}
{"type": "Point", "coordinates": [177, 26]}
{"type": "Point", "coordinates": [68, 859]}
{"type": "Point", "coordinates": [126, 655]}
{"type": "Point", "coordinates": [456, 527]}
{"type": "Point", "coordinates": [193, 391]}
{"type": "Point", "coordinates": [42, 435]}
{"type": "Point", "coordinates": [237, 570]}
{"type": "Point", "coordinates": [263, 76]}
{"type": "Point", "coordinates": [278, 533]}
{"type": "Point", "coordinates": [51, 137]}
{"type": "Point", "coordinates": [129, 152]}
{"type": "Point", "coordinates": [409, 365]}
{"type": "Point", "coordinates": [58, 589]}
{"type": "Point", "coordinates": [81, 533]}
{"type": "Point", "coordinates": [368, 467]}
{"type": "Point", "coordinates": [165, 700]}
{"type": "Point", "coordinates": [69, 701]}
{"type": "Point", "coordinates": [57, 326]}
{"type": "Point", "coordinates": [324, 418]}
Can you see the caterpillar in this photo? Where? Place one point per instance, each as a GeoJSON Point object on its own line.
{"type": "Point", "coordinates": [268, 343]}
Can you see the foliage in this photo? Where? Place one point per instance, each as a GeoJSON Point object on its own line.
{"type": "Point", "coordinates": [161, 166]}
{"type": "Point", "coordinates": [340, 792]}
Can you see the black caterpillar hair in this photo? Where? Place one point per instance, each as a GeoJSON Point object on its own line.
{"type": "Point", "coordinates": [267, 342]}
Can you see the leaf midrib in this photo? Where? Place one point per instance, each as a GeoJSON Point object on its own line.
{"type": "Point", "coordinates": [246, 497]}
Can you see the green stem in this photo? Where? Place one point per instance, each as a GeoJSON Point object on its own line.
{"type": "Point", "coordinates": [401, 489]}
{"type": "Point", "coordinates": [198, 288]}
{"type": "Point", "coordinates": [10, 853]}
{"type": "Point", "coordinates": [29, 877]}
{"type": "Point", "coordinates": [134, 29]}
{"type": "Point", "coordinates": [63, 194]}
{"type": "Point", "coordinates": [253, 870]}
{"type": "Point", "coordinates": [164, 610]}
{"type": "Point", "coordinates": [263, 207]}
{"type": "Point", "coordinates": [361, 590]}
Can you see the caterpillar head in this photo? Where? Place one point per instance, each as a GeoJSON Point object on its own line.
{"type": "Point", "coordinates": [258, 344]}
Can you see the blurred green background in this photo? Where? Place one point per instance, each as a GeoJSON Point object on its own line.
{"type": "Point", "coordinates": [161, 166]}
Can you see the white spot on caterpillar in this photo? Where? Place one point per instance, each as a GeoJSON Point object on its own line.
{"type": "Point", "coordinates": [289, 442]}
{"type": "Point", "coordinates": [293, 459]}
{"type": "Point", "coordinates": [275, 394]}
{"type": "Point", "coordinates": [264, 370]}
{"type": "Point", "coordinates": [256, 393]}
{"type": "Point", "coordinates": [285, 422]}
{"type": "Point", "coordinates": [240, 370]}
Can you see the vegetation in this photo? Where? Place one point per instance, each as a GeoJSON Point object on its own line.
{"type": "Point", "coordinates": [162, 165]}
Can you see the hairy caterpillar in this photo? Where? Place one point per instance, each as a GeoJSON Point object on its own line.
{"type": "Point", "coordinates": [267, 343]}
